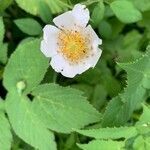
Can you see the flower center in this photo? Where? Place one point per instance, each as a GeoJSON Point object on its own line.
{"type": "Point", "coordinates": [73, 45]}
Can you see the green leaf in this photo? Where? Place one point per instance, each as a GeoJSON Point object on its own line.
{"type": "Point", "coordinates": [87, 76]}
{"type": "Point", "coordinates": [4, 4]}
{"type": "Point", "coordinates": [99, 95]}
{"type": "Point", "coordinates": [141, 143]}
{"type": "Point", "coordinates": [139, 71]}
{"type": "Point", "coordinates": [145, 22]}
{"type": "Point", "coordinates": [27, 40]}
{"type": "Point", "coordinates": [45, 13]}
{"type": "Point", "coordinates": [125, 11]}
{"type": "Point", "coordinates": [110, 133]}
{"type": "Point", "coordinates": [105, 29]}
{"type": "Point", "coordinates": [98, 13]}
{"type": "Point", "coordinates": [106, 78]}
{"type": "Point", "coordinates": [26, 124]}
{"type": "Point", "coordinates": [114, 112]}
{"type": "Point", "coordinates": [131, 40]}
{"type": "Point", "coordinates": [58, 6]}
{"type": "Point", "coordinates": [3, 53]}
{"type": "Point", "coordinates": [63, 109]}
{"type": "Point", "coordinates": [108, 11]}
{"type": "Point", "coordinates": [120, 109]}
{"type": "Point", "coordinates": [3, 47]}
{"type": "Point", "coordinates": [29, 6]}
{"type": "Point", "coordinates": [102, 76]}
{"type": "Point", "coordinates": [102, 145]}
{"type": "Point", "coordinates": [145, 117]}
{"type": "Point", "coordinates": [33, 6]}
{"type": "Point", "coordinates": [27, 66]}
{"type": "Point", "coordinates": [29, 26]}
{"type": "Point", "coordinates": [147, 143]}
{"type": "Point", "coordinates": [130, 47]}
{"type": "Point", "coordinates": [5, 133]}
{"type": "Point", "coordinates": [87, 89]}
{"type": "Point", "coordinates": [2, 30]}
{"type": "Point", "coordinates": [2, 105]}
{"type": "Point", "coordinates": [143, 5]}
{"type": "Point", "coordinates": [117, 27]}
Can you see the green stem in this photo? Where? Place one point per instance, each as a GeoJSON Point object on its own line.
{"type": "Point", "coordinates": [55, 77]}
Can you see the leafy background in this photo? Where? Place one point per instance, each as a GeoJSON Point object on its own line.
{"type": "Point", "coordinates": [105, 108]}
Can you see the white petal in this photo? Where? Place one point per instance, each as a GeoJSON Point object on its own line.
{"type": "Point", "coordinates": [49, 44]}
{"type": "Point", "coordinates": [65, 20]}
{"type": "Point", "coordinates": [95, 41]}
{"type": "Point", "coordinates": [78, 17]}
{"type": "Point", "coordinates": [81, 13]}
{"type": "Point", "coordinates": [45, 49]}
{"type": "Point", "coordinates": [72, 70]}
{"type": "Point", "coordinates": [59, 64]}
{"type": "Point", "coordinates": [50, 31]}
{"type": "Point", "coordinates": [94, 38]}
{"type": "Point", "coordinates": [92, 60]}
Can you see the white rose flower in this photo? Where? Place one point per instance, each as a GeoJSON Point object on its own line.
{"type": "Point", "coordinates": [72, 45]}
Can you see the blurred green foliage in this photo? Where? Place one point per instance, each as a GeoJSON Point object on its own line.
{"type": "Point", "coordinates": [105, 108]}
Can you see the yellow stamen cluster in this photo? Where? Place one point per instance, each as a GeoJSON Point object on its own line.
{"type": "Point", "coordinates": [73, 45]}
